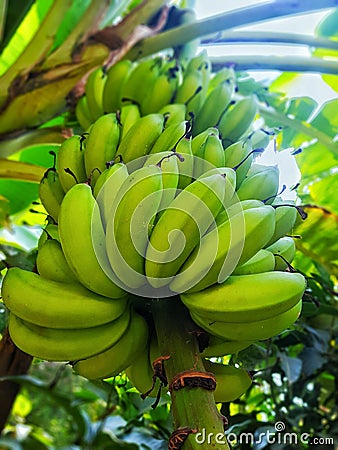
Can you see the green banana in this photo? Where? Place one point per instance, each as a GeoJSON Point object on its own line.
{"type": "Point", "coordinates": [256, 330]}
{"type": "Point", "coordinates": [163, 88]}
{"type": "Point", "coordinates": [70, 163]}
{"type": "Point", "coordinates": [235, 208]}
{"type": "Point", "coordinates": [65, 344]}
{"type": "Point", "coordinates": [236, 301]}
{"type": "Point", "coordinates": [51, 193]}
{"type": "Point", "coordinates": [51, 263]}
{"type": "Point", "coordinates": [237, 120]}
{"type": "Point", "coordinates": [262, 185]}
{"type": "Point", "coordinates": [101, 145]}
{"type": "Point", "coordinates": [94, 91]}
{"type": "Point", "coordinates": [82, 240]}
{"type": "Point", "coordinates": [222, 347]}
{"type": "Point", "coordinates": [209, 155]}
{"type": "Point", "coordinates": [130, 222]}
{"type": "Point", "coordinates": [286, 216]}
{"type": "Point", "coordinates": [188, 217]}
{"type": "Point", "coordinates": [54, 304]}
{"type": "Point", "coordinates": [262, 261]}
{"type": "Point", "coordinates": [82, 113]}
{"type": "Point", "coordinates": [140, 373]}
{"type": "Point", "coordinates": [284, 250]}
{"type": "Point", "coordinates": [216, 103]}
{"type": "Point", "coordinates": [141, 137]}
{"type": "Point", "coordinates": [140, 80]}
{"type": "Point", "coordinates": [231, 382]}
{"type": "Point", "coordinates": [109, 184]}
{"type": "Point", "coordinates": [170, 137]}
{"type": "Point", "coordinates": [198, 140]}
{"type": "Point", "coordinates": [232, 243]}
{"type": "Point", "coordinates": [118, 357]}
{"type": "Point", "coordinates": [234, 155]}
{"type": "Point", "coordinates": [173, 113]}
{"type": "Point", "coordinates": [186, 163]}
{"type": "Point", "coordinates": [127, 116]}
{"type": "Point", "coordinates": [51, 231]}
{"type": "Point", "coordinates": [117, 76]}
{"type": "Point", "coordinates": [168, 162]}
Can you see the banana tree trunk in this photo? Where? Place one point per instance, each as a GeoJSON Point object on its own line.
{"type": "Point", "coordinates": [12, 362]}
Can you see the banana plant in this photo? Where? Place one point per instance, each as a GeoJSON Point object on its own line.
{"type": "Point", "coordinates": [48, 76]}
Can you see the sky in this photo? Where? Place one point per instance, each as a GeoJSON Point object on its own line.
{"type": "Point", "coordinates": [309, 84]}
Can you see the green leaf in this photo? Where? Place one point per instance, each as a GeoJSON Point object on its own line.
{"type": "Point", "coordinates": [15, 12]}
{"type": "Point", "coordinates": [79, 420]}
{"type": "Point", "coordinates": [292, 367]}
{"type": "Point", "coordinates": [315, 161]}
{"type": "Point", "coordinates": [328, 28]}
{"type": "Point", "coordinates": [319, 237]}
{"type": "Point", "coordinates": [326, 120]}
{"type": "Point", "coordinates": [72, 17]}
{"type": "Point", "coordinates": [324, 193]}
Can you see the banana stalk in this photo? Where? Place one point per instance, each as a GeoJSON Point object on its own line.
{"type": "Point", "coordinates": [177, 337]}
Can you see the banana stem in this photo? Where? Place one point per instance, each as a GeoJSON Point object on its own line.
{"type": "Point", "coordinates": [269, 62]}
{"type": "Point", "coordinates": [191, 407]}
{"type": "Point", "coordinates": [267, 37]}
{"type": "Point", "coordinates": [225, 21]}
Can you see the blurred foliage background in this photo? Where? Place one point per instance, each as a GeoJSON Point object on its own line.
{"type": "Point", "coordinates": [295, 380]}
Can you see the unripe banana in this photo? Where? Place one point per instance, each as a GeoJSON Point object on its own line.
{"type": "Point", "coordinates": [260, 262]}
{"type": "Point", "coordinates": [284, 250]}
{"type": "Point", "coordinates": [236, 121]}
{"type": "Point", "coordinates": [198, 141]}
{"type": "Point", "coordinates": [82, 113]}
{"type": "Point", "coordinates": [128, 115]}
{"type": "Point", "coordinates": [236, 301]}
{"type": "Point", "coordinates": [236, 153]}
{"type": "Point", "coordinates": [130, 222]}
{"type": "Point", "coordinates": [210, 154]}
{"type": "Point", "coordinates": [82, 240]}
{"type": "Point", "coordinates": [117, 358]}
{"type": "Point", "coordinates": [51, 231]}
{"type": "Point", "coordinates": [193, 89]}
{"type": "Point", "coordinates": [109, 184]}
{"type": "Point", "coordinates": [222, 347]}
{"type": "Point", "coordinates": [94, 92]}
{"type": "Point", "coordinates": [256, 330]}
{"type": "Point", "coordinates": [225, 74]}
{"type": "Point", "coordinates": [162, 90]}
{"type": "Point", "coordinates": [285, 219]}
{"type": "Point", "coordinates": [188, 217]}
{"type": "Point", "coordinates": [168, 162]}
{"type": "Point", "coordinates": [140, 80]}
{"type": "Point", "coordinates": [235, 208]}
{"type": "Point", "coordinates": [51, 193]}
{"type": "Point", "coordinates": [117, 75]}
{"type": "Point", "coordinates": [232, 243]}
{"type": "Point", "coordinates": [170, 137]}
{"type": "Point", "coordinates": [231, 382]}
{"type": "Point", "coordinates": [70, 163]}
{"type": "Point", "coordinates": [51, 263]}
{"type": "Point", "coordinates": [141, 137]}
{"type": "Point", "coordinates": [173, 113]}
{"type": "Point", "coordinates": [185, 167]}
{"type": "Point", "coordinates": [262, 185]}
{"type": "Point", "coordinates": [65, 344]}
{"type": "Point", "coordinates": [140, 372]}
{"type": "Point", "coordinates": [55, 304]}
{"type": "Point", "coordinates": [101, 145]}
{"type": "Point", "coordinates": [214, 106]}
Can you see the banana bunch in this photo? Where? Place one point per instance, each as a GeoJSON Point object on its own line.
{"type": "Point", "coordinates": [162, 195]}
